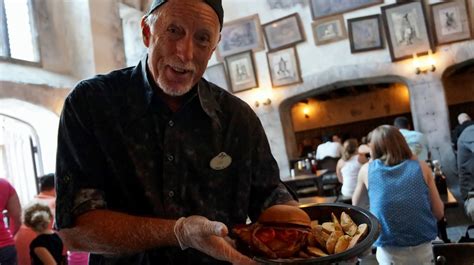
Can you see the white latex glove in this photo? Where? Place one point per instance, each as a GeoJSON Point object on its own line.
{"type": "Point", "coordinates": [209, 237]}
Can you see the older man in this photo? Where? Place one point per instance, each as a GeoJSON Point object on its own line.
{"type": "Point", "coordinates": [149, 155]}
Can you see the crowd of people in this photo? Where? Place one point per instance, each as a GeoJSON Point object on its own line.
{"type": "Point", "coordinates": [398, 157]}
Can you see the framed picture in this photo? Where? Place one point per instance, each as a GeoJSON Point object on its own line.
{"type": "Point", "coordinates": [365, 33]}
{"type": "Point", "coordinates": [284, 67]}
{"type": "Point", "coordinates": [241, 35]}
{"type": "Point", "coordinates": [283, 32]}
{"type": "Point", "coordinates": [217, 75]}
{"type": "Point", "coordinates": [405, 26]}
{"type": "Point", "coordinates": [451, 22]}
{"type": "Point", "coordinates": [470, 4]}
{"type": "Point", "coordinates": [329, 30]}
{"type": "Point", "coordinates": [325, 8]}
{"type": "Point", "coordinates": [241, 71]}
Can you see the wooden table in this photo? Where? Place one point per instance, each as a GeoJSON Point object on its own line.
{"type": "Point", "coordinates": [317, 199]}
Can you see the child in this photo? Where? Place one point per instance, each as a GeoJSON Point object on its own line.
{"type": "Point", "coordinates": [47, 247]}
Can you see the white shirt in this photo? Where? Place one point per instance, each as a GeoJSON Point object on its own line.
{"type": "Point", "coordinates": [332, 149]}
{"type": "Point", "coordinates": [349, 172]}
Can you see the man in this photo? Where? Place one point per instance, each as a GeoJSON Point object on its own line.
{"type": "Point", "coordinates": [464, 121]}
{"type": "Point", "coordinates": [141, 148]}
{"type": "Point", "coordinates": [416, 140]}
{"type": "Point", "coordinates": [25, 235]}
{"type": "Point", "coordinates": [328, 149]}
{"type": "Point", "coordinates": [465, 159]}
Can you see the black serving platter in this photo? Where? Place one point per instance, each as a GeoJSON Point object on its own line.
{"type": "Point", "coordinates": [322, 213]}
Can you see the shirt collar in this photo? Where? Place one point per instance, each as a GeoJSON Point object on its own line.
{"type": "Point", "coordinates": [207, 97]}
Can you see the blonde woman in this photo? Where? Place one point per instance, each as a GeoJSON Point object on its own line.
{"type": "Point", "coordinates": [403, 196]}
{"type": "Point", "coordinates": [348, 167]}
{"type": "Point", "coordinates": [47, 247]}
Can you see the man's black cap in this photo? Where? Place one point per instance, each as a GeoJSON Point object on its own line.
{"type": "Point", "coordinates": [215, 4]}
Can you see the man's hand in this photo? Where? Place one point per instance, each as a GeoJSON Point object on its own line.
{"type": "Point", "coordinates": [208, 237]}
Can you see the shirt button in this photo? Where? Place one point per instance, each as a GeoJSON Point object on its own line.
{"type": "Point", "coordinates": [171, 194]}
{"type": "Point", "coordinates": [170, 157]}
{"type": "Point", "coordinates": [171, 123]}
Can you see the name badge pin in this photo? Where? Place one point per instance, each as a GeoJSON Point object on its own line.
{"type": "Point", "coordinates": [220, 161]}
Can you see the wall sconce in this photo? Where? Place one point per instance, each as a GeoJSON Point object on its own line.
{"type": "Point", "coordinates": [424, 64]}
{"type": "Point", "coordinates": [265, 102]}
{"type": "Point", "coordinates": [306, 112]}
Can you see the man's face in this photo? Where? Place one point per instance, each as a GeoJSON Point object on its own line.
{"type": "Point", "coordinates": [180, 42]}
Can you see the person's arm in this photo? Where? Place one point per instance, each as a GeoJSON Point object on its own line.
{"type": "Point", "coordinates": [360, 194]}
{"type": "Point", "coordinates": [109, 232]}
{"type": "Point", "coordinates": [14, 212]}
{"type": "Point", "coordinates": [340, 164]}
{"type": "Point", "coordinates": [113, 233]}
{"type": "Point", "coordinates": [44, 255]}
{"type": "Point", "coordinates": [437, 206]}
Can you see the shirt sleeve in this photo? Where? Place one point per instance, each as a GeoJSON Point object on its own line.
{"type": "Point", "coordinates": [80, 164]}
{"type": "Point", "coordinates": [267, 188]}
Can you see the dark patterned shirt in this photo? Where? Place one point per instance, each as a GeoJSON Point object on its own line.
{"type": "Point", "coordinates": [121, 148]}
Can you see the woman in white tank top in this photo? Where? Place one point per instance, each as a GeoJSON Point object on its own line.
{"type": "Point", "coordinates": [348, 167]}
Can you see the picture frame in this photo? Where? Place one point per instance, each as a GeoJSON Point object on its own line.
{"type": "Point", "coordinates": [241, 35]}
{"type": "Point", "coordinates": [365, 33]}
{"type": "Point", "coordinates": [284, 67]}
{"type": "Point", "coordinates": [242, 72]}
{"type": "Point", "coordinates": [329, 29]}
{"type": "Point", "coordinates": [326, 8]}
{"type": "Point", "coordinates": [406, 28]}
{"type": "Point", "coordinates": [217, 74]}
{"type": "Point", "coordinates": [283, 32]}
{"type": "Point", "coordinates": [451, 22]}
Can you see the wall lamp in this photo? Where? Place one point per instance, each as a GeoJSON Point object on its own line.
{"type": "Point", "coordinates": [264, 102]}
{"type": "Point", "coordinates": [306, 112]}
{"type": "Point", "coordinates": [424, 64]}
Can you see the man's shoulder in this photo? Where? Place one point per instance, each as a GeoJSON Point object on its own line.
{"type": "Point", "coordinates": [227, 101]}
{"type": "Point", "coordinates": [111, 81]}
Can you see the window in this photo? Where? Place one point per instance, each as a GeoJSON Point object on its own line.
{"type": "Point", "coordinates": [18, 35]}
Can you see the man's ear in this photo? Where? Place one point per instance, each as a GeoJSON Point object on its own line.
{"type": "Point", "coordinates": [146, 32]}
{"type": "Point", "coordinates": [215, 47]}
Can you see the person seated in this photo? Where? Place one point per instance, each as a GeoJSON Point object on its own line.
{"type": "Point", "coordinates": [403, 196]}
{"type": "Point", "coordinates": [328, 149]}
{"type": "Point", "coordinates": [25, 235]}
{"type": "Point", "coordinates": [348, 167]}
{"type": "Point", "coordinates": [47, 247]}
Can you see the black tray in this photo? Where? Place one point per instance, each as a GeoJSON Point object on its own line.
{"type": "Point", "coordinates": [322, 213]}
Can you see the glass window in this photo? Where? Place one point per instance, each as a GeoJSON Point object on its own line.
{"type": "Point", "coordinates": [17, 31]}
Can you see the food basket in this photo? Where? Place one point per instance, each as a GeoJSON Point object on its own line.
{"type": "Point", "coordinates": [322, 213]}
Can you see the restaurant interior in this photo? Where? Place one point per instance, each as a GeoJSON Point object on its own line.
{"type": "Point", "coordinates": [303, 82]}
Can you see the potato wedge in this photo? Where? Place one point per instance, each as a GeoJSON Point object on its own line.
{"type": "Point", "coordinates": [342, 244]}
{"type": "Point", "coordinates": [332, 240]}
{"type": "Point", "coordinates": [328, 227]}
{"type": "Point", "coordinates": [337, 225]}
{"type": "Point", "coordinates": [317, 252]}
{"type": "Point", "coordinates": [361, 232]}
{"type": "Point", "coordinates": [302, 254]}
{"type": "Point", "coordinates": [320, 235]}
{"type": "Point", "coordinates": [348, 225]}
{"type": "Point", "coordinates": [314, 223]}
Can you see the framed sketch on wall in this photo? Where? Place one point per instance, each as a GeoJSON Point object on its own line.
{"type": "Point", "coordinates": [407, 33]}
{"type": "Point", "coordinates": [329, 30]}
{"type": "Point", "coordinates": [217, 75]}
{"type": "Point", "coordinates": [283, 32]}
{"type": "Point", "coordinates": [242, 71]}
{"type": "Point", "coordinates": [365, 33]}
{"type": "Point", "coordinates": [324, 8]}
{"type": "Point", "coordinates": [284, 67]}
{"type": "Point", "coordinates": [451, 22]}
{"type": "Point", "coordinates": [241, 35]}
